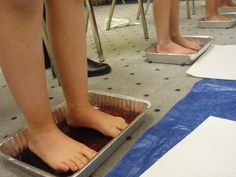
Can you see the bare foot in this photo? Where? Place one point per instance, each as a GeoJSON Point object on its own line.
{"type": "Point", "coordinates": [174, 48]}
{"type": "Point", "coordinates": [92, 118]}
{"type": "Point", "coordinates": [186, 43]}
{"type": "Point", "coordinates": [59, 151]}
{"type": "Point", "coordinates": [216, 18]}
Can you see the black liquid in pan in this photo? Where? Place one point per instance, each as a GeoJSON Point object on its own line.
{"type": "Point", "coordinates": [89, 137]}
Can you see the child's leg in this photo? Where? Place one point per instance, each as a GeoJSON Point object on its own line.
{"type": "Point", "coordinates": [231, 3]}
{"type": "Point", "coordinates": [67, 35]}
{"type": "Point", "coordinates": [212, 11]}
{"type": "Point", "coordinates": [226, 3]}
{"type": "Point", "coordinates": [223, 3]}
{"type": "Point", "coordinates": [21, 60]}
{"type": "Point", "coordinates": [174, 28]}
{"type": "Point", "coordinates": [162, 12]}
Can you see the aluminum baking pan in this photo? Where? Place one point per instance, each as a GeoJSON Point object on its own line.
{"type": "Point", "coordinates": [219, 24]}
{"type": "Point", "coordinates": [226, 9]}
{"type": "Point", "coordinates": [132, 109]}
{"type": "Point", "coordinates": [179, 59]}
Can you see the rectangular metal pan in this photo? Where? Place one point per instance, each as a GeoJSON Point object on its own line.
{"type": "Point", "coordinates": [179, 59]}
{"type": "Point", "coordinates": [226, 9]}
{"type": "Point", "coordinates": [219, 24]}
{"type": "Point", "coordinates": [131, 108]}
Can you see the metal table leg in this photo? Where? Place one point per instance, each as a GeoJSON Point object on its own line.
{"type": "Point", "coordinates": [95, 30]}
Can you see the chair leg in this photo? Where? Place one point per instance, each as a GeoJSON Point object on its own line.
{"type": "Point", "coordinates": [193, 7]}
{"type": "Point", "coordinates": [86, 19]}
{"type": "Point", "coordinates": [95, 30]}
{"type": "Point", "coordinates": [143, 18]}
{"type": "Point", "coordinates": [110, 15]}
{"type": "Point", "coordinates": [147, 6]}
{"type": "Point", "coordinates": [188, 9]}
{"type": "Point", "coordinates": [145, 12]}
{"type": "Point", "coordinates": [138, 13]}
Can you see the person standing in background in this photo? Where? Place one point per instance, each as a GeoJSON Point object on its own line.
{"type": "Point", "coordinates": [166, 16]}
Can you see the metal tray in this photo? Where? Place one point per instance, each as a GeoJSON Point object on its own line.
{"type": "Point", "coordinates": [127, 106]}
{"type": "Point", "coordinates": [179, 59]}
{"type": "Point", "coordinates": [219, 24]}
{"type": "Point", "coordinates": [227, 9]}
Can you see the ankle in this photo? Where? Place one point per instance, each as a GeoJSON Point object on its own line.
{"type": "Point", "coordinates": [210, 15]}
{"type": "Point", "coordinates": [163, 44]}
{"type": "Point", "coordinates": [40, 131]}
{"type": "Point", "coordinates": [175, 36]}
{"type": "Point", "coordinates": [78, 111]}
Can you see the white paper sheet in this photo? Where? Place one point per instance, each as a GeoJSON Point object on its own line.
{"type": "Point", "coordinates": [209, 151]}
{"type": "Point", "coordinates": [219, 62]}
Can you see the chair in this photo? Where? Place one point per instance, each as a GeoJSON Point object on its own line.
{"type": "Point", "coordinates": [188, 8]}
{"type": "Point", "coordinates": [187, 5]}
{"type": "Point", "coordinates": [143, 18]}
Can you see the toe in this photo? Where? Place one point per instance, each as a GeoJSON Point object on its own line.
{"type": "Point", "coordinates": [88, 153]}
{"type": "Point", "coordinates": [122, 125]}
{"type": "Point", "coordinates": [115, 132]}
{"type": "Point", "coordinates": [62, 166]}
{"type": "Point", "coordinates": [78, 162]}
{"type": "Point", "coordinates": [72, 165]}
{"type": "Point", "coordinates": [82, 158]}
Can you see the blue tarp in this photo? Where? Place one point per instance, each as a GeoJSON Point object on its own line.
{"type": "Point", "coordinates": [207, 97]}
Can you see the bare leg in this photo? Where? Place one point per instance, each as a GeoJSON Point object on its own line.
{"type": "Point", "coordinates": [174, 28]}
{"type": "Point", "coordinates": [21, 60]}
{"type": "Point", "coordinates": [162, 11]}
{"type": "Point", "coordinates": [223, 3]}
{"type": "Point", "coordinates": [226, 3]}
{"type": "Point", "coordinates": [67, 35]}
{"type": "Point", "coordinates": [231, 3]}
{"type": "Point", "coordinates": [212, 11]}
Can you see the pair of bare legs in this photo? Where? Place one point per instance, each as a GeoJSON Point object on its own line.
{"type": "Point", "coordinates": [21, 60]}
{"type": "Point", "coordinates": [166, 16]}
{"type": "Point", "coordinates": [212, 13]}
{"type": "Point", "coordinates": [226, 3]}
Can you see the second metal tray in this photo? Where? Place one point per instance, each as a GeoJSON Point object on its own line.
{"type": "Point", "coordinates": [219, 24]}
{"type": "Point", "coordinates": [15, 149]}
{"type": "Point", "coordinates": [179, 59]}
{"type": "Point", "coordinates": [227, 9]}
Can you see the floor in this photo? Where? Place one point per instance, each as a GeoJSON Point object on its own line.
{"type": "Point", "coordinates": [132, 75]}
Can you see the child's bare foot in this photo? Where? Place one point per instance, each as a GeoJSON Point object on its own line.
{"type": "Point", "coordinates": [216, 18]}
{"type": "Point", "coordinates": [59, 151]}
{"type": "Point", "coordinates": [223, 17]}
{"type": "Point", "coordinates": [174, 48]}
{"type": "Point", "coordinates": [92, 118]}
{"type": "Point", "coordinates": [186, 43]}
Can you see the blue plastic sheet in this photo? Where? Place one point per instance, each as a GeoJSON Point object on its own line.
{"type": "Point", "coordinates": [207, 97]}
